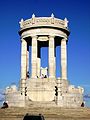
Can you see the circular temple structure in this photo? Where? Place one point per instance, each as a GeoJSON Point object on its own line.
{"type": "Point", "coordinates": [39, 85]}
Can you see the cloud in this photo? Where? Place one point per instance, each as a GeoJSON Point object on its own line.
{"type": "Point", "coordinates": [1, 98]}
{"type": "Point", "coordinates": [2, 95]}
{"type": "Point", "coordinates": [2, 91]}
{"type": "Point", "coordinates": [87, 96]}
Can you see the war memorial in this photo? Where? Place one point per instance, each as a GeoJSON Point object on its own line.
{"type": "Point", "coordinates": [40, 86]}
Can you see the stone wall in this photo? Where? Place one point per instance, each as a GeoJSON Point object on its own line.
{"type": "Point", "coordinates": [15, 99]}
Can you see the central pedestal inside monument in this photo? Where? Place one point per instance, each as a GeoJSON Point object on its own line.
{"type": "Point", "coordinates": [41, 89]}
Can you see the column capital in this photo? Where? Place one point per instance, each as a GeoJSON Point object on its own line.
{"type": "Point", "coordinates": [34, 36]}
{"type": "Point", "coordinates": [64, 39]}
{"type": "Point", "coordinates": [51, 36]}
{"type": "Point", "coordinates": [22, 39]}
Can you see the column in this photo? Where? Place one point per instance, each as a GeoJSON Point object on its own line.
{"type": "Point", "coordinates": [27, 58]}
{"type": "Point", "coordinates": [63, 59]}
{"type": "Point", "coordinates": [38, 59]}
{"type": "Point", "coordinates": [38, 66]}
{"type": "Point", "coordinates": [23, 65]}
{"type": "Point", "coordinates": [34, 57]}
{"type": "Point", "coordinates": [51, 57]}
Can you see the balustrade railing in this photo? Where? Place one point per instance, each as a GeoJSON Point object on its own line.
{"type": "Point", "coordinates": [44, 21]}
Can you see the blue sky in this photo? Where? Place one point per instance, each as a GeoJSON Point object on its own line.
{"type": "Point", "coordinates": [78, 14]}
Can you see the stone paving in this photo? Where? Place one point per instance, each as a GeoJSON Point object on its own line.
{"type": "Point", "coordinates": [48, 113]}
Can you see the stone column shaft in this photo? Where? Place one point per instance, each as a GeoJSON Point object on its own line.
{"type": "Point", "coordinates": [51, 58]}
{"type": "Point", "coordinates": [23, 65]}
{"type": "Point", "coordinates": [63, 59]}
{"type": "Point", "coordinates": [27, 58]}
{"type": "Point", "coordinates": [34, 57]}
{"type": "Point", "coordinates": [38, 66]}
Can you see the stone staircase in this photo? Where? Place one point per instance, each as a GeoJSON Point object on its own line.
{"type": "Point", "coordinates": [32, 104]}
{"type": "Point", "coordinates": [48, 113]}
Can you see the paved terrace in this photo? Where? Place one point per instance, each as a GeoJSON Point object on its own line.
{"type": "Point", "coordinates": [49, 113]}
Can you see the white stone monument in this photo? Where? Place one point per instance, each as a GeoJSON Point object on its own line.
{"type": "Point", "coordinates": [36, 32]}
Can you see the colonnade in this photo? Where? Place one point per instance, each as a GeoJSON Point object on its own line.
{"type": "Point", "coordinates": [35, 61]}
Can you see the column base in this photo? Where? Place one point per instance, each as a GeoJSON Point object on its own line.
{"type": "Point", "coordinates": [33, 77]}
{"type": "Point", "coordinates": [52, 77]}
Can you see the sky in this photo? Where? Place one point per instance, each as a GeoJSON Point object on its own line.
{"type": "Point", "coordinates": [78, 14]}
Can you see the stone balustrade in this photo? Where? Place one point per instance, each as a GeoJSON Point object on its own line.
{"type": "Point", "coordinates": [44, 21]}
{"type": "Point", "coordinates": [76, 90]}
